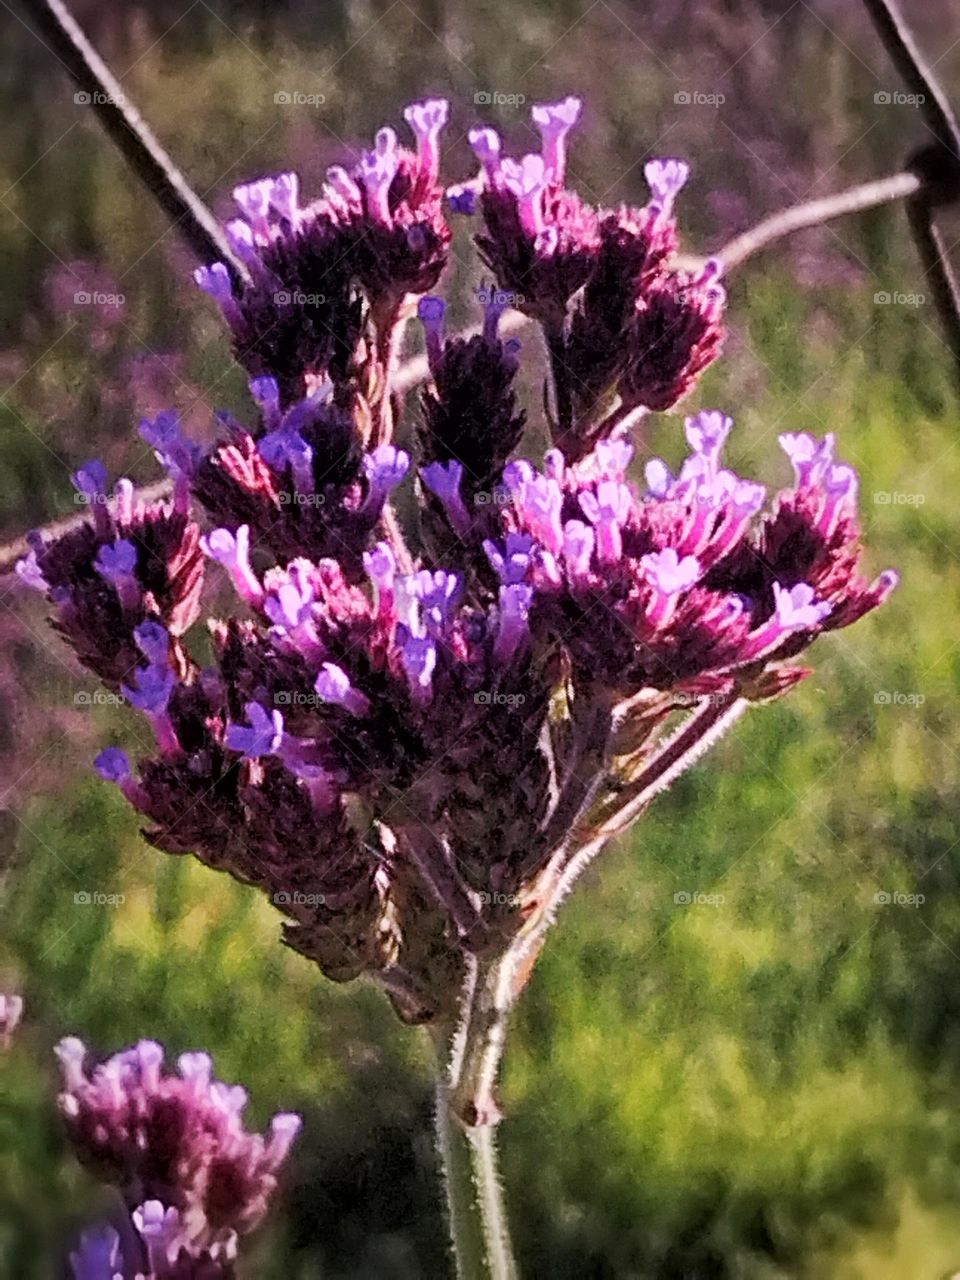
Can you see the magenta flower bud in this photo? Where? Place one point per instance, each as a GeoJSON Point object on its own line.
{"type": "Point", "coordinates": [333, 685]}
{"type": "Point", "coordinates": [665, 178]}
{"type": "Point", "coordinates": [426, 119]}
{"type": "Point", "coordinates": [554, 120]}
{"type": "Point", "coordinates": [486, 146]}
{"type": "Point", "coordinates": [233, 552]}
{"type": "Point", "coordinates": [263, 736]}
{"type": "Point", "coordinates": [514, 628]}
{"type": "Point", "coordinates": [385, 467]}
{"type": "Point", "coordinates": [443, 479]}
{"type": "Point", "coordinates": [607, 509]}
{"type": "Point", "coordinates": [511, 564]}
{"type": "Point", "coordinates": [578, 543]}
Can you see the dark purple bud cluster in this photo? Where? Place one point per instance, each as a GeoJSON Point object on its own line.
{"type": "Point", "coordinates": [639, 327]}
{"type": "Point", "coordinates": [410, 727]}
{"type": "Point", "coordinates": [326, 278]}
{"type": "Point", "coordinates": [193, 1179]}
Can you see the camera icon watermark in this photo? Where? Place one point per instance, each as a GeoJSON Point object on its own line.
{"type": "Point", "coordinates": [486, 699]}
{"type": "Point", "coordinates": [296, 298]}
{"type": "Point", "coordinates": [98, 698]}
{"type": "Point", "coordinates": [494, 98]}
{"type": "Point", "coordinates": [99, 99]}
{"type": "Point", "coordinates": [896, 299]}
{"type": "Point", "coordinates": [94, 898]}
{"type": "Point", "coordinates": [895, 98]}
{"type": "Point", "coordinates": [296, 98]}
{"type": "Point", "coordinates": [894, 698]}
{"type": "Point", "coordinates": [693, 898]}
{"type": "Point", "coordinates": [883, 899]}
{"type": "Point", "coordinates": [96, 298]}
{"type": "Point", "coordinates": [893, 498]}
{"type": "Point", "coordinates": [696, 98]}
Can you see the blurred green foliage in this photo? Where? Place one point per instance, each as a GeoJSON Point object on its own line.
{"type": "Point", "coordinates": [760, 1085]}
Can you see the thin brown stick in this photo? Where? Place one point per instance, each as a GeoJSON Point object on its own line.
{"type": "Point", "coordinates": [938, 270]}
{"type": "Point", "coordinates": [933, 104]}
{"type": "Point", "coordinates": [132, 135]}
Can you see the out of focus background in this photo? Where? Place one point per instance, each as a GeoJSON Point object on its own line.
{"type": "Point", "coordinates": [740, 1053]}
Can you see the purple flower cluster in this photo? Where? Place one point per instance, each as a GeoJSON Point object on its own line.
{"type": "Point", "coordinates": [192, 1177]}
{"type": "Point", "coordinates": [408, 724]}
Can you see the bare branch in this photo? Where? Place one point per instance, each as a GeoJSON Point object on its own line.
{"type": "Point", "coordinates": [917, 73]}
{"type": "Point", "coordinates": [813, 213]}
{"type": "Point", "coordinates": [937, 268]}
{"type": "Point", "coordinates": [132, 135]}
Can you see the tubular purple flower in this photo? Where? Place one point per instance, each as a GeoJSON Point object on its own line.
{"type": "Point", "coordinates": [665, 178]}
{"type": "Point", "coordinates": [431, 312]}
{"type": "Point", "coordinates": [578, 543]}
{"type": "Point", "coordinates": [512, 563]}
{"type": "Point", "coordinates": [154, 688]}
{"type": "Point", "coordinates": [215, 281]}
{"type": "Point", "coordinates": [385, 467]}
{"type": "Point", "coordinates": [333, 685]}
{"type": "Point", "coordinates": [438, 593]}
{"type": "Point", "coordinates": [343, 186]}
{"type": "Point", "coordinates": [381, 567]}
{"type": "Point", "coordinates": [707, 433]}
{"type": "Point", "coordinates": [90, 481]}
{"type": "Point", "coordinates": [286, 448]}
{"type": "Point", "coordinates": [527, 181]}
{"type": "Point", "coordinates": [266, 392]}
{"type": "Point", "coordinates": [29, 573]}
{"type": "Point", "coordinates": [284, 197]}
{"type": "Point", "coordinates": [377, 170]}
{"type": "Point", "coordinates": [254, 201]}
{"type": "Point", "coordinates": [486, 146]}
{"type": "Point", "coordinates": [263, 736]}
{"type": "Point", "coordinates": [11, 1011]}
{"type": "Point", "coordinates": [540, 500]}
{"type": "Point", "coordinates": [668, 574]}
{"type": "Point", "coordinates": [233, 552]}
{"type": "Point", "coordinates": [608, 509]}
{"type": "Point", "coordinates": [443, 479]}
{"type": "Point", "coordinates": [514, 627]}
{"type": "Point", "coordinates": [426, 119]}
{"type": "Point", "coordinates": [554, 120]}
{"type": "Point", "coordinates": [418, 655]}
{"type": "Point", "coordinates": [462, 197]}
{"type": "Point", "coordinates": [153, 640]}
{"type": "Point", "coordinates": [810, 457]}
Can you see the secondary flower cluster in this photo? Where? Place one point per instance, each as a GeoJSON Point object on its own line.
{"type": "Point", "coordinates": [192, 1177]}
{"type": "Point", "coordinates": [407, 725]}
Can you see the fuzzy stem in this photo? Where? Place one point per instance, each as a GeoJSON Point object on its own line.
{"type": "Point", "coordinates": [476, 1212]}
